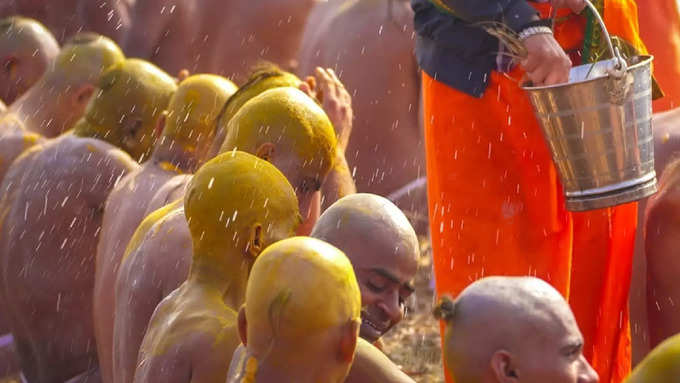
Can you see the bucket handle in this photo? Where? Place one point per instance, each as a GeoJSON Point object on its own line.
{"type": "Point", "coordinates": [621, 67]}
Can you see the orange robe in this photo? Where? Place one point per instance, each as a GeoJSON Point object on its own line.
{"type": "Point", "coordinates": [496, 204]}
{"type": "Point", "coordinates": [660, 30]}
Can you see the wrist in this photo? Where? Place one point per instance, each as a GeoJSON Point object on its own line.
{"type": "Point", "coordinates": [525, 33]}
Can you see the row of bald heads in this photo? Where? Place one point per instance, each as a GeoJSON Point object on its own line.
{"type": "Point", "coordinates": [138, 108]}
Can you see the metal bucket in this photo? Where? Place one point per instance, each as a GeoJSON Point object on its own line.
{"type": "Point", "coordinates": [598, 128]}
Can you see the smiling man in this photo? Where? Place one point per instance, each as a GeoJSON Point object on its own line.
{"type": "Point", "coordinates": [383, 248]}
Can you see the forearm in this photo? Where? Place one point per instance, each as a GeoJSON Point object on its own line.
{"type": "Point", "coordinates": [514, 13]}
{"type": "Point", "coordinates": [371, 365]}
{"type": "Point", "coordinates": [339, 182]}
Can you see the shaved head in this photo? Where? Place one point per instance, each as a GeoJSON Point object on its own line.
{"type": "Point", "coordinates": [512, 327]}
{"type": "Point", "coordinates": [383, 248]}
{"type": "Point", "coordinates": [26, 50]}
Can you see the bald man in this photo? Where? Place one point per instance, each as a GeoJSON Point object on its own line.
{"type": "Point", "coordinates": [236, 205]}
{"type": "Point", "coordinates": [188, 130]}
{"type": "Point", "coordinates": [68, 17]}
{"type": "Point", "coordinates": [301, 326]}
{"type": "Point", "coordinates": [299, 140]}
{"type": "Point", "coordinates": [512, 329]}
{"type": "Point", "coordinates": [661, 365]}
{"type": "Point", "coordinates": [52, 205]}
{"type": "Point", "coordinates": [369, 43]}
{"type": "Point", "coordinates": [54, 104]}
{"type": "Point", "coordinates": [226, 37]}
{"type": "Point", "coordinates": [384, 250]}
{"type": "Point", "coordinates": [27, 48]}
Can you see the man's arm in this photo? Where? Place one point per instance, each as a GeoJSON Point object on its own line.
{"type": "Point", "coordinates": [514, 13]}
{"type": "Point", "coordinates": [337, 103]}
{"type": "Point", "coordinates": [372, 366]}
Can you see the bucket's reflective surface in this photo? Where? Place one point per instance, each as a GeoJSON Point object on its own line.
{"type": "Point", "coordinates": [599, 133]}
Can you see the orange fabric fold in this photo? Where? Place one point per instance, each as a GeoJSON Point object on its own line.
{"type": "Point", "coordinates": [660, 30]}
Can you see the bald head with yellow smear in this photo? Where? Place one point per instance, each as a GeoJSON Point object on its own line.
{"type": "Point", "coordinates": [26, 50]}
{"type": "Point", "coordinates": [290, 130]}
{"type": "Point", "coordinates": [131, 99]}
{"type": "Point", "coordinates": [235, 206]}
{"type": "Point", "coordinates": [191, 119]}
{"type": "Point", "coordinates": [659, 366]}
{"type": "Point", "coordinates": [58, 100]}
{"type": "Point", "coordinates": [267, 77]}
{"type": "Point", "coordinates": [303, 306]}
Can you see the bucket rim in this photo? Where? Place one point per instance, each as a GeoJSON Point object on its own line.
{"type": "Point", "coordinates": [646, 60]}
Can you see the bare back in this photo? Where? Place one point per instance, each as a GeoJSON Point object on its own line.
{"type": "Point", "coordinates": [125, 209]}
{"type": "Point", "coordinates": [14, 139]}
{"type": "Point", "coordinates": [225, 37]}
{"type": "Point", "coordinates": [191, 338]}
{"type": "Point", "coordinates": [54, 209]}
{"type": "Point", "coordinates": [369, 44]}
{"type": "Point", "coordinates": [150, 273]}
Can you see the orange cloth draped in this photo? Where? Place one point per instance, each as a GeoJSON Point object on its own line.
{"type": "Point", "coordinates": [660, 30]}
{"type": "Point", "coordinates": [496, 205]}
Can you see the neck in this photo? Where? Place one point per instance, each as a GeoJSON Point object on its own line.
{"type": "Point", "coordinates": [181, 159]}
{"type": "Point", "coordinates": [267, 373]}
{"type": "Point", "coordinates": [38, 110]}
{"type": "Point", "coordinates": [229, 280]}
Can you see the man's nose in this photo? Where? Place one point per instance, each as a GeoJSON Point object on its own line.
{"type": "Point", "coordinates": [588, 374]}
{"type": "Point", "coordinates": [392, 307]}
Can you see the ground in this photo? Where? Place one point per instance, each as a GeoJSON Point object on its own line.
{"type": "Point", "coordinates": [414, 344]}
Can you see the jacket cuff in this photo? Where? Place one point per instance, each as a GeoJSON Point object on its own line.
{"type": "Point", "coordinates": [519, 14]}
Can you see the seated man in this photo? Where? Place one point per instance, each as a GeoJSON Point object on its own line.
{"type": "Point", "coordinates": [301, 317]}
{"type": "Point", "coordinates": [187, 135]}
{"type": "Point", "coordinates": [512, 329]}
{"type": "Point", "coordinates": [53, 199]}
{"type": "Point", "coordinates": [383, 248]}
{"type": "Point", "coordinates": [281, 125]}
{"type": "Point", "coordinates": [661, 365]}
{"type": "Point", "coordinates": [26, 50]}
{"type": "Point", "coordinates": [236, 205]}
{"type": "Point", "coordinates": [65, 18]}
{"type": "Point", "coordinates": [54, 104]}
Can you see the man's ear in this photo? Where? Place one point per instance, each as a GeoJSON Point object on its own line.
{"type": "Point", "coordinates": [265, 151]}
{"type": "Point", "coordinates": [348, 341]}
{"type": "Point", "coordinates": [83, 95]}
{"type": "Point", "coordinates": [504, 368]}
{"type": "Point", "coordinates": [243, 325]}
{"type": "Point", "coordinates": [9, 66]}
{"type": "Point", "coordinates": [255, 239]}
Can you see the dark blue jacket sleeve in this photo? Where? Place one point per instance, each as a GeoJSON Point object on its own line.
{"type": "Point", "coordinates": [514, 13]}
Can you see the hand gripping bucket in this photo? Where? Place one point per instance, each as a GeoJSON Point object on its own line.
{"type": "Point", "coordinates": [598, 128]}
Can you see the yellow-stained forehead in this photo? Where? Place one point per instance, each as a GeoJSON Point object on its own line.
{"type": "Point", "coordinates": [294, 279]}
{"type": "Point", "coordinates": [256, 85]}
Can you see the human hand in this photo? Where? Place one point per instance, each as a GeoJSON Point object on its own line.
{"type": "Point", "coordinates": [576, 6]}
{"type": "Point", "coordinates": [546, 62]}
{"type": "Point", "coordinates": [335, 101]}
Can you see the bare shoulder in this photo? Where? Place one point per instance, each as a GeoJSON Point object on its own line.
{"type": "Point", "coordinates": [172, 190]}
{"type": "Point", "coordinates": [371, 365]}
